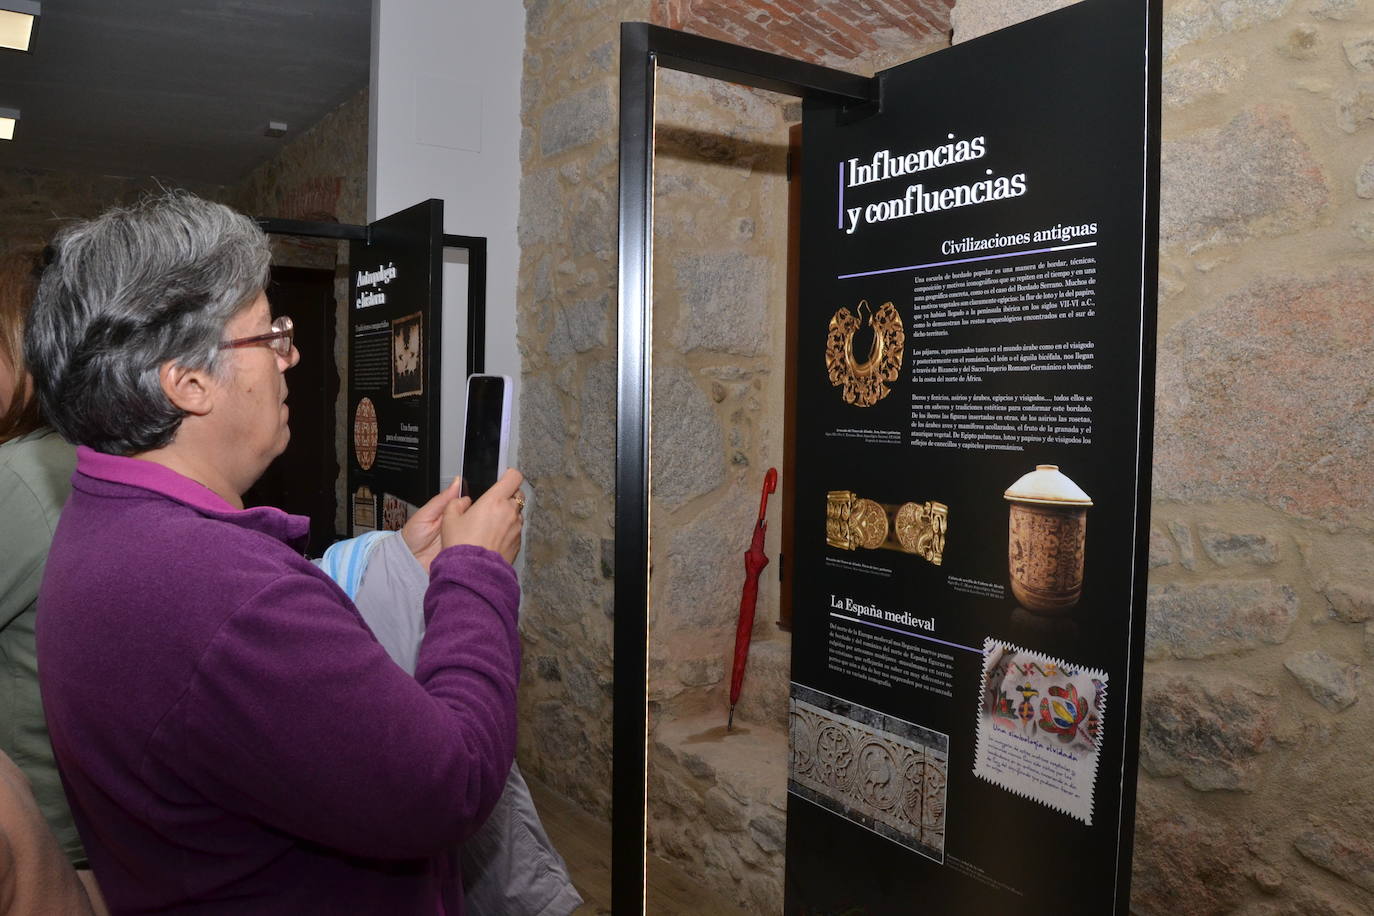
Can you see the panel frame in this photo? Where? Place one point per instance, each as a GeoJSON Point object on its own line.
{"type": "Point", "coordinates": [644, 48]}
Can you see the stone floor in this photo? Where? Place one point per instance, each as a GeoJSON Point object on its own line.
{"type": "Point", "coordinates": [584, 840]}
{"type": "Point", "coordinates": [718, 800]}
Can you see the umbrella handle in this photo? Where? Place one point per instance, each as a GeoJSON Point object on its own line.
{"type": "Point", "coordinates": [770, 485]}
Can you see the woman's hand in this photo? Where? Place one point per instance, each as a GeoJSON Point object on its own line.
{"type": "Point", "coordinates": [492, 522]}
{"type": "Point", "coordinates": [422, 531]}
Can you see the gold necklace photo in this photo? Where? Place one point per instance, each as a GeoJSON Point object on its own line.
{"type": "Point", "coordinates": [865, 383]}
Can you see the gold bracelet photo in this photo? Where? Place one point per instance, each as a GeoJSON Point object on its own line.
{"type": "Point", "coordinates": [852, 522]}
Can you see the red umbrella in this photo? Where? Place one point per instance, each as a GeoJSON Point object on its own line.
{"type": "Point", "coordinates": [754, 562]}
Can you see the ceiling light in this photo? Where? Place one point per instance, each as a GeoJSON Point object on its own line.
{"type": "Point", "coordinates": [275, 129]}
{"type": "Point", "coordinates": [8, 117]}
{"type": "Point", "coordinates": [17, 18]}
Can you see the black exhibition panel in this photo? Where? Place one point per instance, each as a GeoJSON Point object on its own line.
{"type": "Point", "coordinates": [974, 420]}
{"type": "Point", "coordinates": [395, 307]}
{"type": "Point", "coordinates": [408, 237]}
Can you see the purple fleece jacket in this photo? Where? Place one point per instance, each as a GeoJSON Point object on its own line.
{"type": "Point", "coordinates": [232, 737]}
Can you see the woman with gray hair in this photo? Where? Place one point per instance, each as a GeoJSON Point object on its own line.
{"type": "Point", "coordinates": [231, 736]}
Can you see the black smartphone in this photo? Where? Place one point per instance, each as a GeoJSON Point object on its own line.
{"type": "Point", "coordinates": [486, 432]}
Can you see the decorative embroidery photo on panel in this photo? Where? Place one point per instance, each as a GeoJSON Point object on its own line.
{"type": "Point", "coordinates": [1040, 727]}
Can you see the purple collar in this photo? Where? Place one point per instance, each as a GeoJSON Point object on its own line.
{"type": "Point", "coordinates": [149, 475]}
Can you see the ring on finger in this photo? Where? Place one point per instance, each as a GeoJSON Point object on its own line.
{"type": "Point", "coordinates": [519, 501]}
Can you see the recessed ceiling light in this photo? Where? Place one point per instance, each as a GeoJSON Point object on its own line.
{"type": "Point", "coordinates": [17, 18]}
{"type": "Point", "coordinates": [8, 117]}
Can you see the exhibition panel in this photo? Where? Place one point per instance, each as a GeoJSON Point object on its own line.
{"type": "Point", "coordinates": [973, 437]}
{"type": "Point", "coordinates": [975, 391]}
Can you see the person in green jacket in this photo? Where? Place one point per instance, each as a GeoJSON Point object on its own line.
{"type": "Point", "coordinates": [35, 478]}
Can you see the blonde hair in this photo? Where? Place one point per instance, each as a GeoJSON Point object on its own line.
{"type": "Point", "coordinates": [19, 272]}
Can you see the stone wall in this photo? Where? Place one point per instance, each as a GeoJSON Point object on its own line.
{"type": "Point", "coordinates": [1253, 792]}
{"type": "Point", "coordinates": [319, 175]}
{"type": "Point", "coordinates": [1256, 792]}
{"type": "Point", "coordinates": [720, 294]}
{"type": "Point", "coordinates": [35, 203]}
{"type": "Point", "coordinates": [566, 329]}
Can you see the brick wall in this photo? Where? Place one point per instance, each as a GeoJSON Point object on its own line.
{"type": "Point", "coordinates": [870, 33]}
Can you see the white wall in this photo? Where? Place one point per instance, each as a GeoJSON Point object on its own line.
{"type": "Point", "coordinates": [445, 123]}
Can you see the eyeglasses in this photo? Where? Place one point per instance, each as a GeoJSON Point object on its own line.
{"type": "Point", "coordinates": [279, 338]}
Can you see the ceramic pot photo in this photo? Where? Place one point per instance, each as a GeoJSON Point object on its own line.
{"type": "Point", "coordinates": [1046, 538]}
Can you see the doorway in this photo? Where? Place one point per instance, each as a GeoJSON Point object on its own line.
{"type": "Point", "coordinates": [302, 480]}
